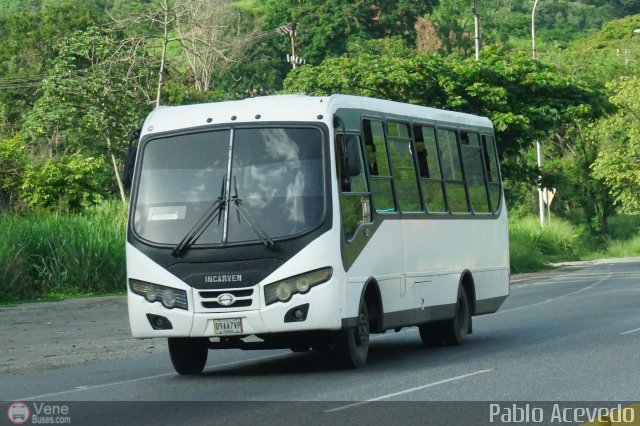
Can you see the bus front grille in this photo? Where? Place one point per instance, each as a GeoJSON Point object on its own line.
{"type": "Point", "coordinates": [225, 299]}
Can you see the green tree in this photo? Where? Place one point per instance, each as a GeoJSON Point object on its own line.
{"type": "Point", "coordinates": [453, 22]}
{"type": "Point", "coordinates": [618, 160]}
{"type": "Point", "coordinates": [13, 162]}
{"type": "Point", "coordinates": [326, 26]}
{"type": "Point", "coordinates": [29, 32]}
{"type": "Point", "coordinates": [90, 103]}
{"type": "Point", "coordinates": [71, 182]}
{"type": "Point", "coordinates": [601, 57]}
{"type": "Point", "coordinates": [567, 166]}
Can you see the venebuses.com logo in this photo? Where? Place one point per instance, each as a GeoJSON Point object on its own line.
{"type": "Point", "coordinates": [20, 413]}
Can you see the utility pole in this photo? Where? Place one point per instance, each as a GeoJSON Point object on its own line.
{"type": "Point", "coordinates": [538, 145]}
{"type": "Point", "coordinates": [540, 195]}
{"type": "Point", "coordinates": [291, 31]}
{"type": "Point", "coordinates": [476, 22]}
{"type": "Point", "coordinates": [533, 29]}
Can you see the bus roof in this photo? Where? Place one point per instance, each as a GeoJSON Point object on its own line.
{"type": "Point", "coordinates": [291, 108]}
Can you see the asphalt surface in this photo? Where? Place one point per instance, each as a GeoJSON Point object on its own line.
{"type": "Point", "coordinates": [567, 335]}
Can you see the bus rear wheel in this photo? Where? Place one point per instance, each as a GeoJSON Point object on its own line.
{"type": "Point", "coordinates": [188, 355]}
{"type": "Point", "coordinates": [451, 332]}
{"type": "Point", "coordinates": [352, 346]}
{"type": "Point", "coordinates": [455, 331]}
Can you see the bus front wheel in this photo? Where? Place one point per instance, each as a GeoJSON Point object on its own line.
{"type": "Point", "coordinates": [352, 347]}
{"type": "Point", "coordinates": [188, 355]}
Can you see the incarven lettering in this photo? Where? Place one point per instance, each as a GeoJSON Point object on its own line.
{"type": "Point", "coordinates": [222, 278]}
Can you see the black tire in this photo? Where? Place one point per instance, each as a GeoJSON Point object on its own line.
{"type": "Point", "coordinates": [451, 332]}
{"type": "Point", "coordinates": [430, 334]}
{"type": "Point", "coordinates": [352, 346]}
{"type": "Point", "coordinates": [455, 331]}
{"type": "Point", "coordinates": [188, 355]}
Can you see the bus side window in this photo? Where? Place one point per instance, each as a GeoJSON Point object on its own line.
{"type": "Point", "coordinates": [427, 154]}
{"type": "Point", "coordinates": [474, 173]}
{"type": "Point", "coordinates": [452, 171]}
{"type": "Point", "coordinates": [351, 164]}
{"type": "Point", "coordinates": [492, 171]}
{"type": "Point", "coordinates": [355, 204]}
{"type": "Point", "coordinates": [381, 181]}
{"type": "Point", "coordinates": [404, 171]}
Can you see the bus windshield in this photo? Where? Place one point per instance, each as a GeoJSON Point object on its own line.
{"type": "Point", "coordinates": [276, 185]}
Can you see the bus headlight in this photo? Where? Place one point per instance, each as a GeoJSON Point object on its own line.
{"type": "Point", "coordinates": [151, 293]}
{"type": "Point", "coordinates": [282, 291]}
{"type": "Point", "coordinates": [169, 297]}
{"type": "Point", "coordinates": [303, 284]}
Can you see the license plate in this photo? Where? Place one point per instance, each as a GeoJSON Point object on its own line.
{"type": "Point", "coordinates": [227, 326]}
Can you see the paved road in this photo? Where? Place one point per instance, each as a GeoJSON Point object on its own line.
{"type": "Point", "coordinates": [573, 336]}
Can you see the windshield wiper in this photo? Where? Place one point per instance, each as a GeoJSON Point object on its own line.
{"type": "Point", "coordinates": [248, 217]}
{"type": "Point", "coordinates": [214, 212]}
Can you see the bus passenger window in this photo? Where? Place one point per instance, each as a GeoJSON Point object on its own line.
{"type": "Point", "coordinates": [491, 168]}
{"type": "Point", "coordinates": [452, 171]}
{"type": "Point", "coordinates": [381, 181]}
{"type": "Point", "coordinates": [429, 168]}
{"type": "Point", "coordinates": [376, 148]}
{"type": "Point", "coordinates": [474, 174]}
{"type": "Point", "coordinates": [404, 171]}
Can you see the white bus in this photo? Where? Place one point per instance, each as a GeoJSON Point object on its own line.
{"type": "Point", "coordinates": [310, 222]}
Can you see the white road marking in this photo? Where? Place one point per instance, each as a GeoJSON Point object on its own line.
{"type": "Point", "coordinates": [391, 395]}
{"type": "Point", "coordinates": [140, 379]}
{"type": "Point", "coordinates": [630, 331]}
{"type": "Point", "coordinates": [555, 298]}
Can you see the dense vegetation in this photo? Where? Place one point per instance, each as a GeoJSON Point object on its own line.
{"type": "Point", "coordinates": [56, 255]}
{"type": "Point", "coordinates": [77, 78]}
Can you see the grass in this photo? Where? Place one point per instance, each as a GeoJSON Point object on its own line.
{"type": "Point", "coordinates": [623, 239]}
{"type": "Point", "coordinates": [47, 255]}
{"type": "Point", "coordinates": [532, 247]}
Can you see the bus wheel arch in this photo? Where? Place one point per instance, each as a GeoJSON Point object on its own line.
{"type": "Point", "coordinates": [373, 299]}
{"type": "Point", "coordinates": [352, 344]}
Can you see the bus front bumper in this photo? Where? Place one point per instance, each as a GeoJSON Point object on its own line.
{"type": "Point", "coordinates": [320, 311]}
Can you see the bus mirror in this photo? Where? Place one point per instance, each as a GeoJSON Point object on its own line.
{"type": "Point", "coordinates": [130, 160]}
{"type": "Point", "coordinates": [129, 163]}
{"type": "Point", "coordinates": [354, 165]}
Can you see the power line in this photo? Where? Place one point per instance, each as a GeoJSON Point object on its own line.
{"type": "Point", "coordinates": [25, 77]}
{"type": "Point", "coordinates": [36, 80]}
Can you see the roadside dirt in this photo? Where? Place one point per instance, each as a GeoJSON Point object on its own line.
{"type": "Point", "coordinates": [43, 336]}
